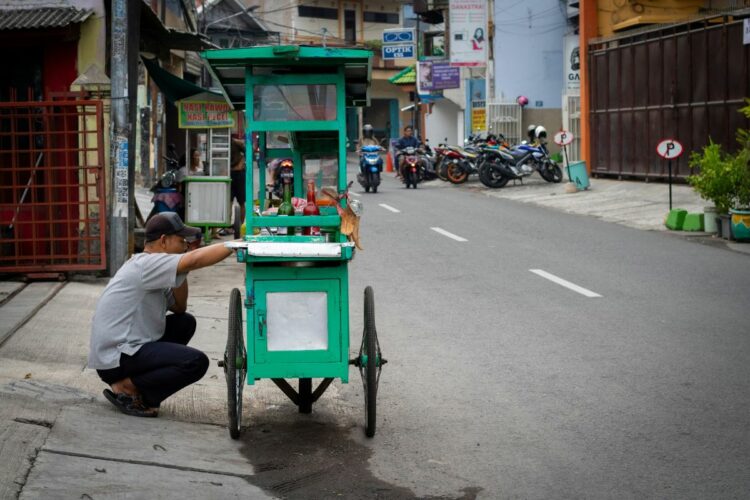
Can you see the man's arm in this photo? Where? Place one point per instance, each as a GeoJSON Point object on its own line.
{"type": "Point", "coordinates": [180, 295]}
{"type": "Point", "coordinates": [203, 257]}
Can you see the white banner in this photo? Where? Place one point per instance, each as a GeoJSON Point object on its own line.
{"type": "Point", "coordinates": [571, 64]}
{"type": "Point", "coordinates": [468, 32]}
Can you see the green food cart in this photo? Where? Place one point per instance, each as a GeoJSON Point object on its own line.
{"type": "Point", "coordinates": [208, 200]}
{"type": "Point", "coordinates": [296, 305]}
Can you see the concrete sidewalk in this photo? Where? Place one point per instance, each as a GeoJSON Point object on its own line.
{"type": "Point", "coordinates": [634, 204]}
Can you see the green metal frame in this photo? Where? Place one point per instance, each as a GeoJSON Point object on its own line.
{"type": "Point", "coordinates": [346, 69]}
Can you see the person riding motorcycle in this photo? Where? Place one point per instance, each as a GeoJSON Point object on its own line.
{"type": "Point", "coordinates": [367, 139]}
{"type": "Point", "coordinates": [405, 141]}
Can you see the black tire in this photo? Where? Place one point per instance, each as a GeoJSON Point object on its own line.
{"type": "Point", "coordinates": [456, 174]}
{"type": "Point", "coordinates": [374, 189]}
{"type": "Point", "coordinates": [237, 224]}
{"type": "Point", "coordinates": [492, 178]}
{"type": "Point", "coordinates": [367, 189]}
{"type": "Point", "coordinates": [370, 369]}
{"type": "Point", "coordinates": [557, 174]}
{"type": "Point", "coordinates": [440, 169]}
{"type": "Point", "coordinates": [235, 364]}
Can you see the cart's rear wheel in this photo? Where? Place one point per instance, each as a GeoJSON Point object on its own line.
{"type": "Point", "coordinates": [235, 364]}
{"type": "Point", "coordinates": [370, 363]}
{"type": "Point", "coordinates": [237, 224]}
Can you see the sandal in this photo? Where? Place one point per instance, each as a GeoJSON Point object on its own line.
{"type": "Point", "coordinates": [130, 405]}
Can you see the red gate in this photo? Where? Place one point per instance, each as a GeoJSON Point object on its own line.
{"type": "Point", "coordinates": [685, 82]}
{"type": "Point", "coordinates": [52, 198]}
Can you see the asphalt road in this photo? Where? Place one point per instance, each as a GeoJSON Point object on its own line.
{"type": "Point", "coordinates": [618, 368]}
{"type": "Point", "coordinates": [504, 383]}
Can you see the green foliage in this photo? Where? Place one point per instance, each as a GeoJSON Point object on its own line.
{"type": "Point", "coordinates": [723, 178]}
{"type": "Point", "coordinates": [373, 45]}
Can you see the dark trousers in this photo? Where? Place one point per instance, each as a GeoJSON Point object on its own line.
{"type": "Point", "coordinates": [161, 368]}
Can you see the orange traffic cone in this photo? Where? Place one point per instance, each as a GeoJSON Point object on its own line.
{"type": "Point", "coordinates": [388, 163]}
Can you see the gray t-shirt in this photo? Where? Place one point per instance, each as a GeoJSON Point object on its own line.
{"type": "Point", "coordinates": [132, 309]}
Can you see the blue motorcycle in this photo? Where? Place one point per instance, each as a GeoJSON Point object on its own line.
{"type": "Point", "coordinates": [370, 166]}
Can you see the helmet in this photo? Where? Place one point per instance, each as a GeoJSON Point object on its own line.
{"type": "Point", "coordinates": [541, 133]}
{"type": "Point", "coordinates": [531, 132]}
{"type": "Point", "coordinates": [286, 163]}
{"type": "Point", "coordinates": [367, 131]}
{"type": "Point", "coordinates": [522, 100]}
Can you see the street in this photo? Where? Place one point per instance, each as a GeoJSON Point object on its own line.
{"type": "Point", "coordinates": [501, 380]}
{"type": "Point", "coordinates": [531, 353]}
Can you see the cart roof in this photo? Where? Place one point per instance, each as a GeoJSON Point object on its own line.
{"type": "Point", "coordinates": [228, 67]}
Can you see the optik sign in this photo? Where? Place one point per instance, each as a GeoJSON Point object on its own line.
{"type": "Point", "coordinates": [572, 65]}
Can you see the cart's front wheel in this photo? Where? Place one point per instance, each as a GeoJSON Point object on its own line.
{"type": "Point", "coordinates": [235, 364]}
{"type": "Point", "coordinates": [370, 363]}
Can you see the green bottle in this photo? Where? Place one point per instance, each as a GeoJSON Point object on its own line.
{"type": "Point", "coordinates": [286, 209]}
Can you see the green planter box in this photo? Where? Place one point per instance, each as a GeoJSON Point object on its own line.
{"type": "Point", "coordinates": [676, 219]}
{"type": "Point", "coordinates": [693, 222]}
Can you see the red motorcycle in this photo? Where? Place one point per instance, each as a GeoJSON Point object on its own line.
{"type": "Point", "coordinates": [410, 170]}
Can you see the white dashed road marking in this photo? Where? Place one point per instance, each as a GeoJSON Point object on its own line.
{"type": "Point", "coordinates": [388, 207]}
{"type": "Point", "coordinates": [566, 284]}
{"type": "Point", "coordinates": [449, 235]}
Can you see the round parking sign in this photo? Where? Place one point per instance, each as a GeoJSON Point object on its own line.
{"type": "Point", "coordinates": [563, 138]}
{"type": "Point", "coordinates": [669, 149]}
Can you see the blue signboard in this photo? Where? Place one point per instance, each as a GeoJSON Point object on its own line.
{"type": "Point", "coordinates": [405, 51]}
{"type": "Point", "coordinates": [398, 36]}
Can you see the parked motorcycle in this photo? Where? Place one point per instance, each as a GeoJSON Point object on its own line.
{"type": "Point", "coordinates": [460, 164]}
{"type": "Point", "coordinates": [429, 159]}
{"type": "Point", "coordinates": [503, 164]}
{"type": "Point", "coordinates": [369, 175]}
{"type": "Point", "coordinates": [167, 190]}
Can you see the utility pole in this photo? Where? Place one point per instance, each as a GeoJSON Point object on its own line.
{"type": "Point", "coordinates": [416, 115]}
{"type": "Point", "coordinates": [120, 132]}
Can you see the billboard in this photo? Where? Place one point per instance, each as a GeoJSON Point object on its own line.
{"type": "Point", "coordinates": [433, 75]}
{"type": "Point", "coordinates": [468, 32]}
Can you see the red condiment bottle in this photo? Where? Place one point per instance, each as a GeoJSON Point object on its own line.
{"type": "Point", "coordinates": [311, 209]}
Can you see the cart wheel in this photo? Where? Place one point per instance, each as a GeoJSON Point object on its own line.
{"type": "Point", "coordinates": [237, 223]}
{"type": "Point", "coordinates": [370, 363]}
{"type": "Point", "coordinates": [235, 364]}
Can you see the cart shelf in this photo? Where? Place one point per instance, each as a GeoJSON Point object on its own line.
{"type": "Point", "coordinates": [300, 250]}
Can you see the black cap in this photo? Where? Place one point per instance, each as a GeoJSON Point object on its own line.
{"type": "Point", "coordinates": [167, 223]}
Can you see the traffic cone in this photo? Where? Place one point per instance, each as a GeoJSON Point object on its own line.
{"type": "Point", "coordinates": [388, 163]}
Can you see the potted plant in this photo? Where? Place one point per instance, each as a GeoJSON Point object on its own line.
{"type": "Point", "coordinates": [740, 211]}
{"type": "Point", "coordinates": [724, 179]}
{"type": "Point", "coordinates": [713, 181]}
{"type": "Point", "coordinates": [741, 208]}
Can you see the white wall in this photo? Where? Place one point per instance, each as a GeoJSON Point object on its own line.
{"type": "Point", "coordinates": [528, 50]}
{"type": "Point", "coordinates": [442, 123]}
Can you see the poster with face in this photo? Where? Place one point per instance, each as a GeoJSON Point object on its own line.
{"type": "Point", "coordinates": [468, 32]}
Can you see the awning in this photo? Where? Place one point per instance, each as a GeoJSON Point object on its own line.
{"type": "Point", "coordinates": [173, 87]}
{"type": "Point", "coordinates": [43, 17]}
{"type": "Point", "coordinates": [407, 76]}
{"type": "Point", "coordinates": [156, 37]}
{"type": "Point", "coordinates": [229, 65]}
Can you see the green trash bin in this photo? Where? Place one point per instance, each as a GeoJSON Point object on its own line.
{"type": "Point", "coordinates": [578, 175]}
